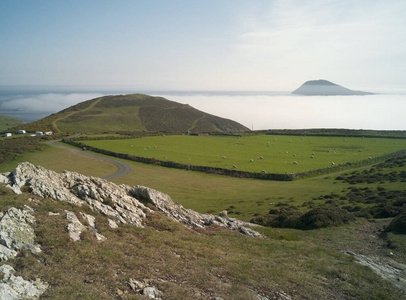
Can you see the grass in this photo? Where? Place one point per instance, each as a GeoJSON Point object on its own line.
{"type": "Point", "coordinates": [215, 262]}
{"type": "Point", "coordinates": [183, 262]}
{"type": "Point", "coordinates": [279, 157]}
{"type": "Point", "coordinates": [58, 160]}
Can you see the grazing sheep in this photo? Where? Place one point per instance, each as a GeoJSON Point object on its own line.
{"type": "Point", "coordinates": [359, 150]}
{"type": "Point", "coordinates": [234, 167]}
{"type": "Point", "coordinates": [149, 147]}
{"type": "Point", "coordinates": [369, 157]}
{"type": "Point", "coordinates": [154, 147]}
{"type": "Point", "coordinates": [332, 163]}
{"type": "Point", "coordinates": [313, 153]}
{"type": "Point", "coordinates": [261, 157]}
{"type": "Point", "coordinates": [263, 171]}
{"type": "Point", "coordinates": [251, 160]}
{"type": "Point", "coordinates": [294, 154]}
{"type": "Point", "coordinates": [224, 157]}
{"type": "Point", "coordinates": [165, 157]}
{"type": "Point", "coordinates": [312, 156]}
{"type": "Point", "coordinates": [132, 146]}
{"type": "Point", "coordinates": [295, 162]}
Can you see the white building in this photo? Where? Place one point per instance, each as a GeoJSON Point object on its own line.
{"type": "Point", "coordinates": [48, 132]}
{"type": "Point", "coordinates": [7, 134]}
{"type": "Point", "coordinates": [21, 131]}
{"type": "Point", "coordinates": [39, 133]}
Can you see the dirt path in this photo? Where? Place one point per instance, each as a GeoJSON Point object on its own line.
{"type": "Point", "coordinates": [72, 113]}
{"type": "Point", "coordinates": [123, 168]}
{"type": "Point", "coordinates": [373, 251]}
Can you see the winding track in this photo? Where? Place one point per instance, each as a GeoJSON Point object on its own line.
{"type": "Point", "coordinates": [123, 168]}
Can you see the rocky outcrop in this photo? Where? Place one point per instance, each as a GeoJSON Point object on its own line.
{"type": "Point", "coordinates": [189, 217]}
{"type": "Point", "coordinates": [15, 287]}
{"type": "Point", "coordinates": [16, 232]}
{"type": "Point", "coordinates": [122, 203]}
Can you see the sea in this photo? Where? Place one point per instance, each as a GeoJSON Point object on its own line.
{"type": "Point", "coordinates": [257, 110]}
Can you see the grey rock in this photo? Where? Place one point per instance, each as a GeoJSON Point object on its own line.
{"type": "Point", "coordinates": [152, 292]}
{"type": "Point", "coordinates": [188, 217]}
{"type": "Point", "coordinates": [16, 232]}
{"type": "Point", "coordinates": [75, 227]}
{"type": "Point", "coordinates": [135, 284]}
{"type": "Point", "coordinates": [112, 224]}
{"type": "Point", "coordinates": [120, 203]}
{"type": "Point", "coordinates": [15, 287]}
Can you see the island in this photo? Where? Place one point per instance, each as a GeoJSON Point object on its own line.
{"type": "Point", "coordinates": [325, 88]}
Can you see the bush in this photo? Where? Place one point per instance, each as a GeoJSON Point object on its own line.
{"type": "Point", "coordinates": [324, 216]}
{"type": "Point", "coordinates": [398, 224]}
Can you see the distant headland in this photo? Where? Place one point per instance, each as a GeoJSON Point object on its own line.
{"type": "Point", "coordinates": [325, 88]}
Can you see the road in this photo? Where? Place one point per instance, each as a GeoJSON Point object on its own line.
{"type": "Point", "coordinates": [123, 168]}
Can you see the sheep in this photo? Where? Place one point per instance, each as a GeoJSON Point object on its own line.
{"type": "Point", "coordinates": [295, 163]}
{"type": "Point", "coordinates": [263, 171]}
{"type": "Point", "coordinates": [313, 153]}
{"type": "Point", "coordinates": [294, 155]}
{"type": "Point", "coordinates": [312, 156]}
{"type": "Point", "coordinates": [369, 157]}
{"type": "Point", "coordinates": [234, 167]}
{"type": "Point", "coordinates": [332, 163]}
{"type": "Point", "coordinates": [224, 156]}
{"type": "Point", "coordinates": [261, 157]}
{"type": "Point", "coordinates": [251, 160]}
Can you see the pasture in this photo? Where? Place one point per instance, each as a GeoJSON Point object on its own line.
{"type": "Point", "coordinates": [255, 153]}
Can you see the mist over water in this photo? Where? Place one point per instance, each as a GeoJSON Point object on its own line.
{"type": "Point", "coordinates": [255, 110]}
{"type": "Point", "coordinates": [286, 111]}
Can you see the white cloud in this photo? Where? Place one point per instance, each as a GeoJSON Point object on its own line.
{"type": "Point", "coordinates": [49, 102]}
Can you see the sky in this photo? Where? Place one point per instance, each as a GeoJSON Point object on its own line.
{"type": "Point", "coordinates": [234, 45]}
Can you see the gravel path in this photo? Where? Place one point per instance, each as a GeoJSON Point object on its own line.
{"type": "Point", "coordinates": [123, 168]}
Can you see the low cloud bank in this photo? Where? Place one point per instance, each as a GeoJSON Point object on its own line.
{"type": "Point", "coordinates": [32, 107]}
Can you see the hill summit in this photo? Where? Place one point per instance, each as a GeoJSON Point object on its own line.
{"type": "Point", "coordinates": [325, 88]}
{"type": "Point", "coordinates": [134, 112]}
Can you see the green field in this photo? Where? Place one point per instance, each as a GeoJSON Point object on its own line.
{"type": "Point", "coordinates": [280, 154]}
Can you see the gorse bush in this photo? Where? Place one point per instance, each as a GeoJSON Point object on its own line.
{"type": "Point", "coordinates": [398, 224]}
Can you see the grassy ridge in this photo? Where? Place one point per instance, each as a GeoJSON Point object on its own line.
{"type": "Point", "coordinates": [279, 153]}
{"type": "Point", "coordinates": [136, 112]}
{"type": "Point", "coordinates": [7, 122]}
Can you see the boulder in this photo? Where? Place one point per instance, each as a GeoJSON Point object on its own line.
{"type": "Point", "coordinates": [16, 232]}
{"type": "Point", "coordinates": [15, 287]}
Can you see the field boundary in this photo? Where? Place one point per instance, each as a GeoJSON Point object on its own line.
{"type": "Point", "coordinates": [237, 173]}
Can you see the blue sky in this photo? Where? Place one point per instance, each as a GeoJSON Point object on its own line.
{"type": "Point", "coordinates": [203, 44]}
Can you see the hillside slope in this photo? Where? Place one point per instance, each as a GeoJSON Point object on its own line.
{"type": "Point", "coordinates": [325, 88]}
{"type": "Point", "coordinates": [8, 122]}
{"type": "Point", "coordinates": [135, 112]}
{"type": "Point", "coordinates": [87, 238]}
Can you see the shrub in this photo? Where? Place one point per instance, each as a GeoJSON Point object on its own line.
{"type": "Point", "coordinates": [398, 224]}
{"type": "Point", "coordinates": [324, 216]}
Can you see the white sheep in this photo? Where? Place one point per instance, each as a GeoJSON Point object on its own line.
{"type": "Point", "coordinates": [251, 160]}
{"type": "Point", "coordinates": [295, 162]}
{"type": "Point", "coordinates": [332, 163]}
{"type": "Point", "coordinates": [261, 157]}
{"type": "Point", "coordinates": [234, 167]}
{"type": "Point", "coordinates": [224, 156]}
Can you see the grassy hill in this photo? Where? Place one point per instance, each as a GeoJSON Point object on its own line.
{"type": "Point", "coordinates": [136, 112]}
{"type": "Point", "coordinates": [7, 122]}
